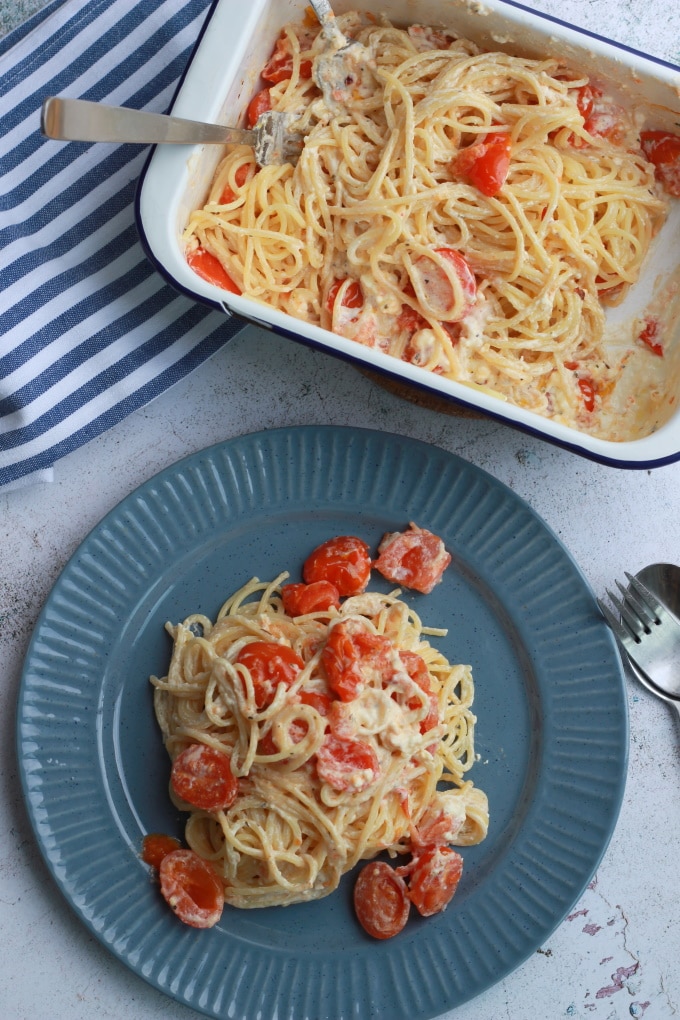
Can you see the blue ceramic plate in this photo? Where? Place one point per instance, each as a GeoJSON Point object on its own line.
{"type": "Point", "coordinates": [552, 731]}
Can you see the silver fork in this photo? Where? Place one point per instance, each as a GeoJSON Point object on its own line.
{"type": "Point", "coordinates": [80, 120]}
{"type": "Point", "coordinates": [649, 635]}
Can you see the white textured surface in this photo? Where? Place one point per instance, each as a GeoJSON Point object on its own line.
{"type": "Point", "coordinates": [616, 956]}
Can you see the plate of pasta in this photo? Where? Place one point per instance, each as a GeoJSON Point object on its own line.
{"type": "Point", "coordinates": [151, 645]}
{"type": "Point", "coordinates": [488, 212]}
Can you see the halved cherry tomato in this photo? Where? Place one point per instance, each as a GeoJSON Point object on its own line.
{"type": "Point", "coordinates": [279, 67]}
{"type": "Point", "coordinates": [485, 164]}
{"type": "Point", "coordinates": [415, 558]}
{"type": "Point", "coordinates": [345, 561]}
{"type": "Point", "coordinates": [588, 391]}
{"type": "Point", "coordinates": [353, 656]}
{"type": "Point", "coordinates": [202, 776]}
{"type": "Point", "coordinates": [605, 119]}
{"type": "Point", "coordinates": [316, 699]}
{"type": "Point", "coordinates": [346, 764]}
{"type": "Point", "coordinates": [267, 745]}
{"type": "Point", "coordinates": [381, 900]}
{"type": "Point", "coordinates": [410, 320]}
{"type": "Point", "coordinates": [317, 597]}
{"type": "Point", "coordinates": [191, 888]}
{"type": "Point", "coordinates": [437, 286]}
{"type": "Point", "coordinates": [243, 173]}
{"type": "Point", "coordinates": [649, 336]}
{"type": "Point", "coordinates": [156, 846]}
{"type": "Point", "coordinates": [259, 104]}
{"type": "Point", "coordinates": [418, 671]}
{"type": "Point", "coordinates": [352, 298]}
{"type": "Point", "coordinates": [662, 148]}
{"type": "Point", "coordinates": [269, 665]}
{"type": "Point", "coordinates": [434, 879]}
{"type": "Point", "coordinates": [205, 265]}
{"type": "Point", "coordinates": [585, 99]}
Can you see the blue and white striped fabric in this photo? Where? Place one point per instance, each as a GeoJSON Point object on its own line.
{"type": "Point", "coordinates": [88, 330]}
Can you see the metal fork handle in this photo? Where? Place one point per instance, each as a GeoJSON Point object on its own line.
{"type": "Point", "coordinates": [79, 120]}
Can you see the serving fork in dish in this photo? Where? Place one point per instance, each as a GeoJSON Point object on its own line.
{"type": "Point", "coordinates": [79, 120]}
{"type": "Point", "coordinates": [648, 631]}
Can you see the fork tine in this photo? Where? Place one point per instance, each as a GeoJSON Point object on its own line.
{"type": "Point", "coordinates": [622, 634]}
{"type": "Point", "coordinates": [647, 597]}
{"type": "Point", "coordinates": [632, 621]}
{"type": "Point", "coordinates": [640, 608]}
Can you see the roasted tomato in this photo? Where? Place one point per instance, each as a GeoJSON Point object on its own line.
{"type": "Point", "coordinates": [432, 281]}
{"type": "Point", "coordinates": [381, 901]}
{"type": "Point", "coordinates": [317, 597]}
{"type": "Point", "coordinates": [662, 148]}
{"type": "Point", "coordinates": [202, 776]}
{"type": "Point", "coordinates": [415, 558]}
{"type": "Point", "coordinates": [191, 888]}
{"type": "Point", "coordinates": [353, 656]}
{"type": "Point", "coordinates": [345, 561]}
{"type": "Point", "coordinates": [205, 265]}
{"type": "Point", "coordinates": [279, 67]}
{"type": "Point", "coordinates": [434, 879]}
{"type": "Point", "coordinates": [486, 163]}
{"type": "Point", "coordinates": [346, 764]}
{"type": "Point", "coordinates": [269, 665]}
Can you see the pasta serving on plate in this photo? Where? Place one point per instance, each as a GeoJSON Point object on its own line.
{"type": "Point", "coordinates": [469, 212]}
{"type": "Point", "coordinates": [313, 726]}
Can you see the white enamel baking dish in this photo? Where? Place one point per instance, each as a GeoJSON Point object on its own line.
{"type": "Point", "coordinates": [222, 77]}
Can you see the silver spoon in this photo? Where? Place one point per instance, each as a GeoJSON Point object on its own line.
{"type": "Point", "coordinates": [344, 65]}
{"type": "Point", "coordinates": [78, 120]}
{"type": "Point", "coordinates": [663, 580]}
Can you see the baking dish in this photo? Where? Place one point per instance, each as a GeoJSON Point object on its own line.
{"type": "Point", "coordinates": [222, 77]}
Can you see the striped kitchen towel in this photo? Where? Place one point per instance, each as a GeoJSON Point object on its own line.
{"type": "Point", "coordinates": [88, 329]}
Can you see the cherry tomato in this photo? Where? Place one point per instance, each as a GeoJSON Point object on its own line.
{"type": "Point", "coordinates": [486, 163]}
{"type": "Point", "coordinates": [585, 99]}
{"type": "Point", "coordinates": [434, 879]}
{"type": "Point", "coordinates": [279, 67]}
{"type": "Point", "coordinates": [437, 286]}
{"type": "Point", "coordinates": [662, 148]}
{"type": "Point", "coordinates": [418, 671]}
{"type": "Point", "coordinates": [354, 656]}
{"type": "Point", "coordinates": [346, 764]}
{"type": "Point", "coordinates": [649, 336]}
{"type": "Point", "coordinates": [344, 561]}
{"type": "Point", "coordinates": [269, 665]}
{"type": "Point", "coordinates": [605, 119]}
{"type": "Point", "coordinates": [381, 900]}
{"type": "Point", "coordinates": [588, 391]}
{"type": "Point", "coordinates": [205, 265]}
{"type": "Point", "coordinates": [156, 846]}
{"type": "Point", "coordinates": [410, 320]}
{"type": "Point", "coordinates": [415, 558]}
{"type": "Point", "coordinates": [202, 776]}
{"type": "Point", "coordinates": [259, 104]}
{"type": "Point", "coordinates": [192, 888]}
{"type": "Point", "coordinates": [352, 298]}
{"type": "Point", "coordinates": [321, 702]}
{"type": "Point", "coordinates": [436, 829]}
{"type": "Point", "coordinates": [243, 173]}
{"type": "Point", "coordinates": [317, 597]}
{"type": "Point", "coordinates": [267, 745]}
